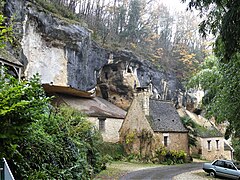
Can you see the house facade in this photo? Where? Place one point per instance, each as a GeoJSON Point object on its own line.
{"type": "Point", "coordinates": [155, 124]}
{"type": "Point", "coordinates": [211, 148]}
{"type": "Point", "coordinates": [106, 117]}
{"type": "Point", "coordinates": [211, 143]}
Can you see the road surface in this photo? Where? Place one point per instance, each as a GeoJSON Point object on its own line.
{"type": "Point", "coordinates": [164, 173]}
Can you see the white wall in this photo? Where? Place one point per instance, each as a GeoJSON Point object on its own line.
{"type": "Point", "coordinates": [43, 58]}
{"type": "Point", "coordinates": [112, 127]}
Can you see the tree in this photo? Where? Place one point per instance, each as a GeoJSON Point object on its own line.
{"type": "Point", "coordinates": [220, 81]}
{"type": "Point", "coordinates": [222, 21]}
{"type": "Point", "coordinates": [21, 104]}
{"type": "Point", "coordinates": [134, 21]}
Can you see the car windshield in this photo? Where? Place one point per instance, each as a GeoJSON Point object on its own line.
{"type": "Point", "coordinates": [237, 164]}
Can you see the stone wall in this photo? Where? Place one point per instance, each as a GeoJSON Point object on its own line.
{"type": "Point", "coordinates": [112, 127]}
{"type": "Point", "coordinates": [176, 141]}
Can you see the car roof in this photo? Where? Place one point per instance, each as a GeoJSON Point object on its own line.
{"type": "Point", "coordinates": [225, 160]}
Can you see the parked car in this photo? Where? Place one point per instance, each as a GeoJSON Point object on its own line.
{"type": "Point", "coordinates": [223, 168]}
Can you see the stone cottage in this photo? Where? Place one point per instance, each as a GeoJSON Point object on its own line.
{"type": "Point", "coordinates": [167, 125]}
{"type": "Point", "coordinates": [213, 147]}
{"type": "Point", "coordinates": [151, 124]}
{"type": "Point", "coordinates": [211, 143]}
{"type": "Point", "coordinates": [104, 115]}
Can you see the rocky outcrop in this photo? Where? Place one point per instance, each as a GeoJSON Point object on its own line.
{"type": "Point", "coordinates": [66, 57]}
{"type": "Point", "coordinates": [126, 71]}
{"type": "Point", "coordinates": [61, 52]}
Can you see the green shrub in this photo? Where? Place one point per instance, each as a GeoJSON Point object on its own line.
{"type": "Point", "coordinates": [58, 9]}
{"type": "Point", "coordinates": [114, 150]}
{"type": "Point", "coordinates": [40, 143]}
{"type": "Point", "coordinates": [164, 156]}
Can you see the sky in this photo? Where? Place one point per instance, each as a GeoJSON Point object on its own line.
{"type": "Point", "coordinates": [174, 5]}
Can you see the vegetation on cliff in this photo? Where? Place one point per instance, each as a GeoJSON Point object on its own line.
{"type": "Point", "coordinates": [6, 33]}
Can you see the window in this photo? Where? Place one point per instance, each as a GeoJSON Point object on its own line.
{"type": "Point", "coordinates": [102, 124]}
{"type": "Point", "coordinates": [219, 163]}
{"type": "Point", "coordinates": [106, 75]}
{"type": "Point", "coordinates": [209, 144]}
{"type": "Point", "coordinates": [217, 144]}
{"type": "Point", "coordinates": [165, 140]}
{"type": "Point", "coordinates": [229, 166]}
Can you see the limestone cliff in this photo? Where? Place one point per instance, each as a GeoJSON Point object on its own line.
{"type": "Point", "coordinates": [69, 61]}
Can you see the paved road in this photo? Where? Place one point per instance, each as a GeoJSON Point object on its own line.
{"type": "Point", "coordinates": [164, 173]}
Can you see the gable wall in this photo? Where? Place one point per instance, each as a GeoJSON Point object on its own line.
{"type": "Point", "coordinates": [135, 118]}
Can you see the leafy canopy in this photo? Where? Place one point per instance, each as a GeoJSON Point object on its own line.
{"type": "Point", "coordinates": [220, 76]}
{"type": "Point", "coordinates": [221, 18]}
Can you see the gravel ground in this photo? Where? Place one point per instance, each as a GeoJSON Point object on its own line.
{"type": "Point", "coordinates": [196, 175]}
{"type": "Point", "coordinates": [191, 175]}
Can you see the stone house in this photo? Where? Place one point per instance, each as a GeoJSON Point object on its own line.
{"type": "Point", "coordinates": [104, 115]}
{"type": "Point", "coordinates": [211, 143]}
{"type": "Point", "coordinates": [167, 125]}
{"type": "Point", "coordinates": [212, 148]}
{"type": "Point", "coordinates": [151, 124]}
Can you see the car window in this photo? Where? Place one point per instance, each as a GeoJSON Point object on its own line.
{"type": "Point", "coordinates": [219, 163]}
{"type": "Point", "coordinates": [237, 164]}
{"type": "Point", "coordinates": [229, 165]}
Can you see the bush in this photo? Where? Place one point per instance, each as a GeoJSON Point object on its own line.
{"type": "Point", "coordinates": [114, 150]}
{"type": "Point", "coordinates": [62, 146]}
{"type": "Point", "coordinates": [169, 156]}
{"type": "Point", "coordinates": [42, 143]}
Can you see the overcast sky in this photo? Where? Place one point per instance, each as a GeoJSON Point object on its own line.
{"type": "Point", "coordinates": [175, 5]}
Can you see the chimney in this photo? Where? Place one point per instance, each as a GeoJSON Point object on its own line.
{"type": "Point", "coordinates": [143, 96]}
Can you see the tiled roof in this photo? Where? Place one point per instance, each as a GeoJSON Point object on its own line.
{"type": "Point", "coordinates": [208, 132]}
{"type": "Point", "coordinates": [94, 107]}
{"type": "Point", "coordinates": [164, 117]}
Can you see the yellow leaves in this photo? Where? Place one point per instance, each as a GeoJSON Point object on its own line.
{"type": "Point", "coordinates": [187, 58]}
{"type": "Point", "coordinates": [133, 45]}
{"type": "Point", "coordinates": [159, 52]}
{"type": "Point", "coordinates": [152, 37]}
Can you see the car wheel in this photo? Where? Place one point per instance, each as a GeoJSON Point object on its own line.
{"type": "Point", "coordinates": [212, 174]}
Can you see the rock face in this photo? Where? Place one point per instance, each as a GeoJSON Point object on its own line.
{"type": "Point", "coordinates": [64, 54]}
{"type": "Point", "coordinates": [125, 72]}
